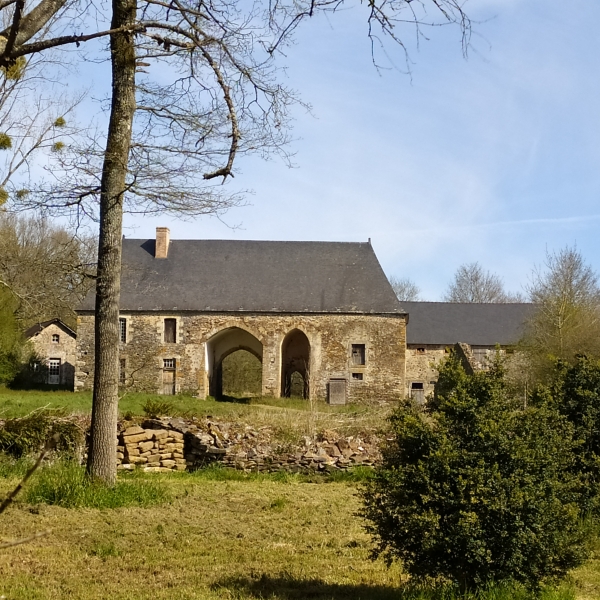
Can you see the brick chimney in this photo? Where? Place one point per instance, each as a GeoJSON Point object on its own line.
{"type": "Point", "coordinates": [163, 236]}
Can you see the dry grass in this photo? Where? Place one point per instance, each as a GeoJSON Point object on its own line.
{"type": "Point", "coordinates": [217, 539]}
{"type": "Point", "coordinates": [290, 419]}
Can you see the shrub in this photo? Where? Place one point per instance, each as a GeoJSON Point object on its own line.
{"type": "Point", "coordinates": [24, 435]}
{"type": "Point", "coordinates": [575, 393]}
{"type": "Point", "coordinates": [155, 409]}
{"type": "Point", "coordinates": [475, 489]}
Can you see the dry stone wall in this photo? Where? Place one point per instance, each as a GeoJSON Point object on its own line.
{"type": "Point", "coordinates": [156, 450]}
{"type": "Point", "coordinates": [163, 445]}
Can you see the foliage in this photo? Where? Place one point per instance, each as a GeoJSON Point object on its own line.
{"type": "Point", "coordinates": [575, 393]}
{"type": "Point", "coordinates": [5, 141]}
{"type": "Point", "coordinates": [66, 484]}
{"type": "Point", "coordinates": [22, 436]}
{"type": "Point", "coordinates": [12, 344]}
{"type": "Point", "coordinates": [474, 489]}
{"type": "Point", "coordinates": [242, 374]}
{"type": "Point", "coordinates": [155, 408]}
{"type": "Point", "coordinates": [48, 268]}
{"type": "Point", "coordinates": [566, 322]}
{"type": "Point", "coordinates": [405, 289]}
{"type": "Point", "coordinates": [473, 284]}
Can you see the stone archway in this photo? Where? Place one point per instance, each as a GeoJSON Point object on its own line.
{"type": "Point", "coordinates": [220, 346]}
{"type": "Point", "coordinates": [295, 361]}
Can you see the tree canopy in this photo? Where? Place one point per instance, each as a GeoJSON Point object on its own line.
{"type": "Point", "coordinates": [474, 284]}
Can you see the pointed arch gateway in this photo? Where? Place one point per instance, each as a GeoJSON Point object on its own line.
{"type": "Point", "coordinates": [220, 346]}
{"type": "Point", "coordinates": [295, 364]}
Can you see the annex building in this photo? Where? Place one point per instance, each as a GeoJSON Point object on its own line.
{"type": "Point", "coordinates": [320, 311]}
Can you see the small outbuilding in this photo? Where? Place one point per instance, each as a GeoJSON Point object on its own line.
{"type": "Point", "coordinates": [54, 343]}
{"type": "Point", "coordinates": [477, 330]}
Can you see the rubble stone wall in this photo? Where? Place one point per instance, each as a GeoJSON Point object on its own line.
{"type": "Point", "coordinates": [331, 337]}
{"type": "Point", "coordinates": [176, 445]}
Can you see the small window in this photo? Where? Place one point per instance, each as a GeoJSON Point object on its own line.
{"type": "Point", "coordinates": [358, 354]}
{"type": "Point", "coordinates": [168, 364]}
{"type": "Point", "coordinates": [170, 331]}
{"type": "Point", "coordinates": [420, 350]}
{"type": "Point", "coordinates": [123, 330]}
{"type": "Point", "coordinates": [357, 376]}
{"type": "Point", "coordinates": [55, 338]}
{"type": "Point", "coordinates": [122, 372]}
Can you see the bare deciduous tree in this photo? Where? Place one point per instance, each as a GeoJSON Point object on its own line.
{"type": "Point", "coordinates": [566, 321]}
{"type": "Point", "coordinates": [214, 97]}
{"type": "Point", "coordinates": [47, 268]}
{"type": "Point", "coordinates": [405, 289]}
{"type": "Point", "coordinates": [473, 284]}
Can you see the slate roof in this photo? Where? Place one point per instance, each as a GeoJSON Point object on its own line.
{"type": "Point", "coordinates": [475, 324]}
{"type": "Point", "coordinates": [39, 327]}
{"type": "Point", "coordinates": [254, 276]}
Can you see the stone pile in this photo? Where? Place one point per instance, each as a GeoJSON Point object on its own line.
{"type": "Point", "coordinates": [157, 450]}
{"type": "Point", "coordinates": [243, 447]}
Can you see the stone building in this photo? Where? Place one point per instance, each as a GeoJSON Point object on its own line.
{"type": "Point", "coordinates": [477, 329]}
{"type": "Point", "coordinates": [322, 311]}
{"type": "Point", "coordinates": [54, 343]}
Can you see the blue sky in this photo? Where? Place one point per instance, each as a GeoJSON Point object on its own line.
{"type": "Point", "coordinates": [492, 159]}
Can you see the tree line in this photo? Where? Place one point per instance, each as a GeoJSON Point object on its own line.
{"type": "Point", "coordinates": [45, 271]}
{"type": "Point", "coordinates": [564, 292]}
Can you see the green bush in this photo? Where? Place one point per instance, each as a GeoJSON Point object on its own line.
{"type": "Point", "coordinates": [155, 409]}
{"type": "Point", "coordinates": [66, 484]}
{"type": "Point", "coordinates": [575, 393]}
{"type": "Point", "coordinates": [475, 489]}
{"type": "Point", "coordinates": [12, 343]}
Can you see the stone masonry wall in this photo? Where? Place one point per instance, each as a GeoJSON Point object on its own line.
{"type": "Point", "coordinates": [421, 365]}
{"type": "Point", "coordinates": [65, 350]}
{"type": "Point", "coordinates": [330, 335]}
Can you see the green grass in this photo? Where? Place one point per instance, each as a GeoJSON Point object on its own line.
{"type": "Point", "coordinates": [215, 537]}
{"type": "Point", "coordinates": [65, 484]}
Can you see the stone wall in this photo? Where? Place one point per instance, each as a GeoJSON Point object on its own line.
{"type": "Point", "coordinates": [155, 450]}
{"type": "Point", "coordinates": [331, 337]}
{"type": "Point", "coordinates": [176, 445]}
{"type": "Point", "coordinates": [421, 365]}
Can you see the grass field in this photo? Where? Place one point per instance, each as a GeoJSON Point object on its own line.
{"type": "Point", "coordinates": [219, 536]}
{"type": "Point", "coordinates": [214, 534]}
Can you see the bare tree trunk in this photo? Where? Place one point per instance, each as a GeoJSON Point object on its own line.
{"type": "Point", "coordinates": [103, 444]}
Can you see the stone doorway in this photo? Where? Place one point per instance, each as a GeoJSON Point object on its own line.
{"type": "Point", "coordinates": [223, 344]}
{"type": "Point", "coordinates": [295, 365]}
